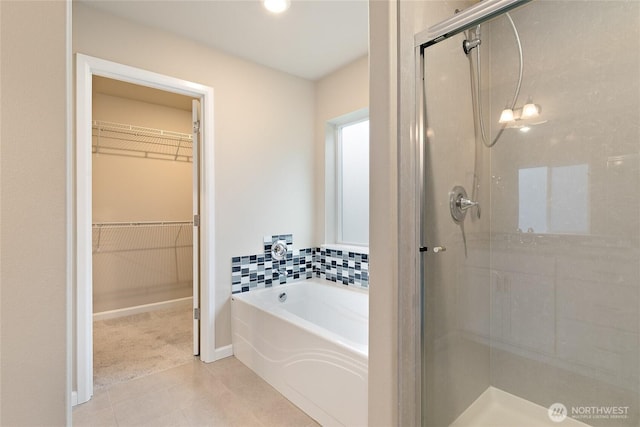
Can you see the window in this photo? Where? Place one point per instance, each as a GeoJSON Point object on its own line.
{"type": "Point", "coordinates": [353, 183]}
{"type": "Point", "coordinates": [347, 183]}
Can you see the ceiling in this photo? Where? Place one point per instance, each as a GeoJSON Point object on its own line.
{"type": "Point", "coordinates": [310, 40]}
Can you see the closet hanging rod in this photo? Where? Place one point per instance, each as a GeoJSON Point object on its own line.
{"type": "Point", "coordinates": [142, 154]}
{"type": "Point", "coordinates": [141, 223]}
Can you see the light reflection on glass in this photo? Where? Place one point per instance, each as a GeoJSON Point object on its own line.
{"type": "Point", "coordinates": [554, 199]}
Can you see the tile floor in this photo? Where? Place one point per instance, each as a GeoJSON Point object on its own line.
{"type": "Point", "coordinates": [223, 393]}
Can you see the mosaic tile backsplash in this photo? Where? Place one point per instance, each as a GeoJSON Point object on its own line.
{"type": "Point", "coordinates": [258, 271]}
{"type": "Point", "coordinates": [348, 268]}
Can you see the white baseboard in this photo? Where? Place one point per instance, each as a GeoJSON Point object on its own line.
{"type": "Point", "coordinates": [128, 311]}
{"type": "Point", "coordinates": [222, 352]}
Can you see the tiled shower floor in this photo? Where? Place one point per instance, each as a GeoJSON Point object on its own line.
{"type": "Point", "coordinates": [496, 408]}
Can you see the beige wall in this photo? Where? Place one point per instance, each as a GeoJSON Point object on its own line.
{"type": "Point", "coordinates": [33, 188]}
{"type": "Point", "coordinates": [383, 226]}
{"type": "Point", "coordinates": [129, 189]}
{"type": "Point", "coordinates": [341, 92]}
{"type": "Point", "coordinates": [264, 148]}
{"type": "Point", "coordinates": [115, 108]}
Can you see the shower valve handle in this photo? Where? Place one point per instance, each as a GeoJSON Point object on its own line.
{"type": "Point", "coordinates": [463, 203]}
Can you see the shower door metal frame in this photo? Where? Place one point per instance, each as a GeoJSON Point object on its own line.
{"type": "Point", "coordinates": [443, 30]}
{"type": "Point", "coordinates": [464, 20]}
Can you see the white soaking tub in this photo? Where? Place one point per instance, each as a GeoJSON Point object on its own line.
{"type": "Point", "coordinates": [312, 347]}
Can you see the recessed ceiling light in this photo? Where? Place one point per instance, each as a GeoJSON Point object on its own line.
{"type": "Point", "coordinates": [276, 6]}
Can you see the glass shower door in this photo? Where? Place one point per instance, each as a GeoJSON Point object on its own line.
{"type": "Point", "coordinates": [456, 275]}
{"type": "Point", "coordinates": [531, 216]}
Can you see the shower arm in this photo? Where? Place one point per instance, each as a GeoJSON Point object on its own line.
{"type": "Point", "coordinates": [477, 85]}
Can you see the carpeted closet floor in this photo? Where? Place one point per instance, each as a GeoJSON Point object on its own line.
{"type": "Point", "coordinates": [141, 344]}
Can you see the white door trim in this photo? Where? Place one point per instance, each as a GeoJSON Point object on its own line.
{"type": "Point", "coordinates": [86, 68]}
{"type": "Point", "coordinates": [195, 267]}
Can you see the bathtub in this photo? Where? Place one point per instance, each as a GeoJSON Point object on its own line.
{"type": "Point", "coordinates": [309, 340]}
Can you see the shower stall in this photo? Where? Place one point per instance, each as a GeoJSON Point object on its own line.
{"type": "Point", "coordinates": [529, 174]}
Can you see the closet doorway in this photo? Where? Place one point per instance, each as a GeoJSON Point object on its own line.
{"type": "Point", "coordinates": [144, 223]}
{"type": "Point", "coordinates": [144, 187]}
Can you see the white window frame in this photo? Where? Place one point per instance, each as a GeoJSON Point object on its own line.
{"type": "Point", "coordinates": [333, 178]}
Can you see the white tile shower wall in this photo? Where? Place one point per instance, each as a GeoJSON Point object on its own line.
{"type": "Point", "coordinates": [249, 272]}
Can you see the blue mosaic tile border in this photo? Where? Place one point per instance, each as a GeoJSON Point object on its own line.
{"type": "Point", "coordinates": [348, 268]}
{"type": "Point", "coordinates": [258, 271]}
{"type": "Point", "coordinates": [262, 271]}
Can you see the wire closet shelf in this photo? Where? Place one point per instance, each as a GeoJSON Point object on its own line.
{"type": "Point", "coordinates": [137, 141]}
{"type": "Point", "coordinates": [136, 236]}
{"type": "Point", "coordinates": [141, 261]}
